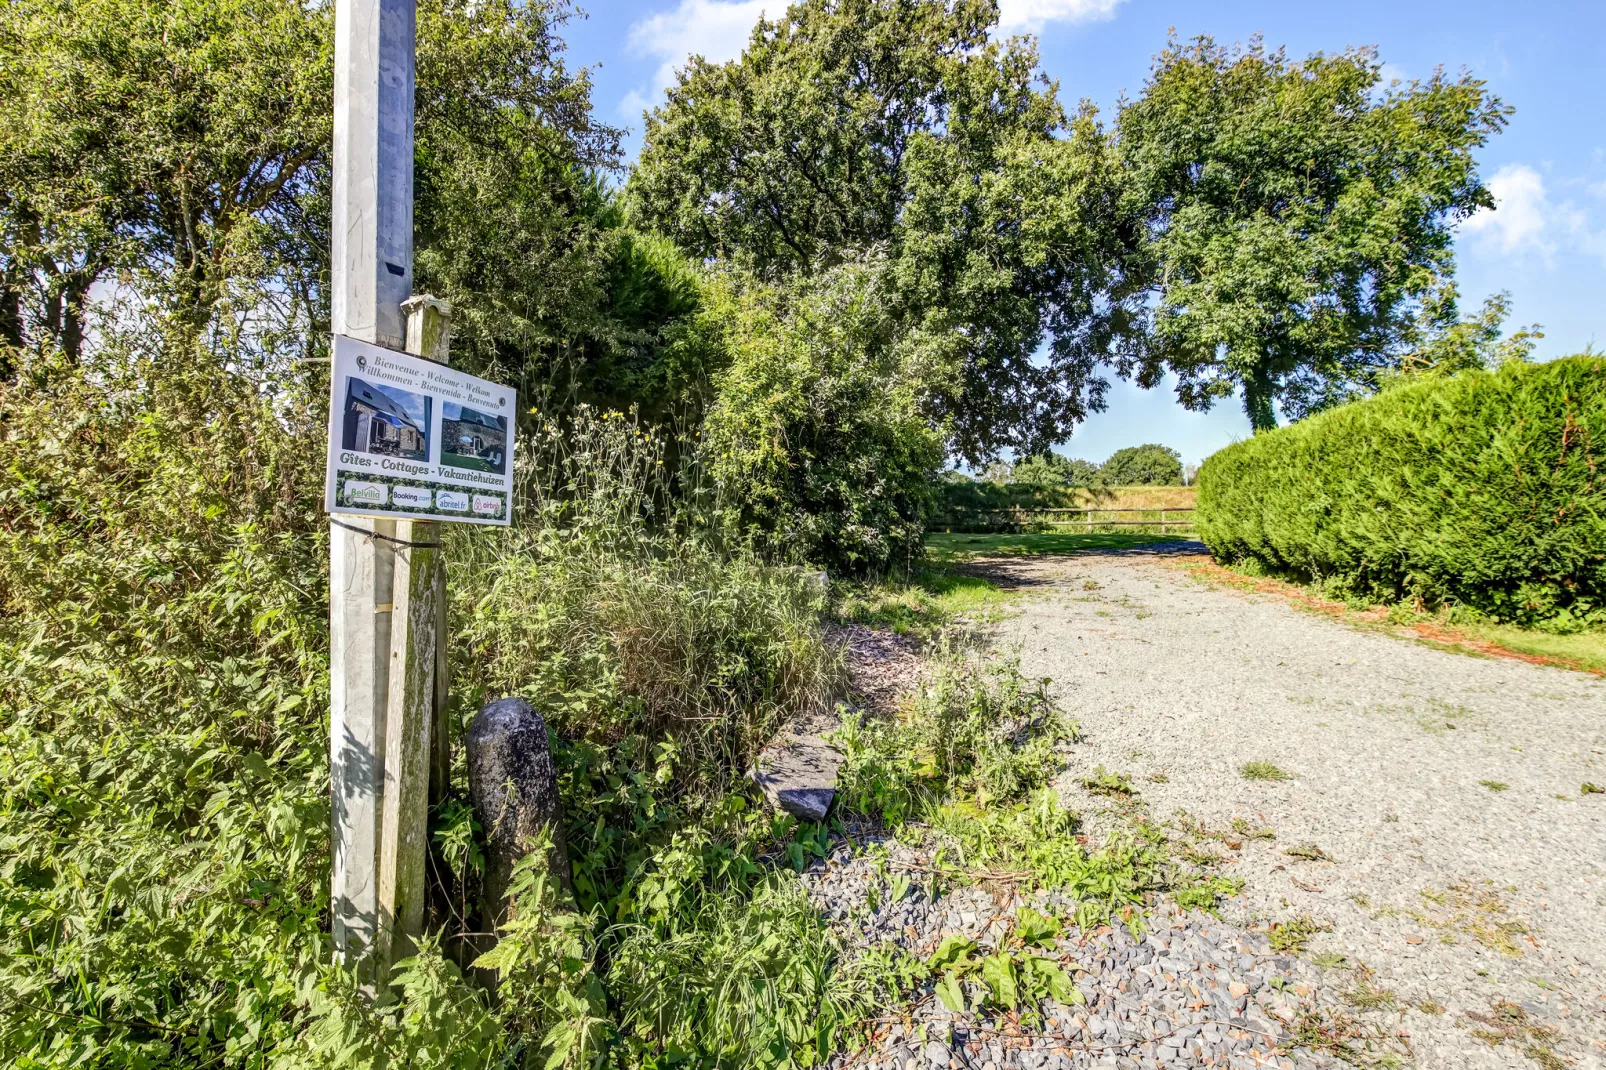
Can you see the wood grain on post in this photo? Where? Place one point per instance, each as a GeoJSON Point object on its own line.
{"type": "Point", "coordinates": [416, 665]}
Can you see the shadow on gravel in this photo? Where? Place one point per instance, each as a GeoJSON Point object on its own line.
{"type": "Point", "coordinates": [1014, 571]}
{"type": "Point", "coordinates": [1153, 549]}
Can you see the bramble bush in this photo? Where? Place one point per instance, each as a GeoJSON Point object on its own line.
{"type": "Point", "coordinates": [164, 751]}
{"type": "Point", "coordinates": [164, 741]}
{"type": "Point", "coordinates": [1480, 492]}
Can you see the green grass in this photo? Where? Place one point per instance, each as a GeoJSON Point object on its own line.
{"type": "Point", "coordinates": [1587, 650]}
{"type": "Point", "coordinates": [1294, 935]}
{"type": "Point", "coordinates": [957, 546]}
{"type": "Point", "coordinates": [923, 604]}
{"type": "Point", "coordinates": [463, 460]}
{"type": "Point", "coordinates": [1263, 771]}
{"type": "Point", "coordinates": [1459, 631]}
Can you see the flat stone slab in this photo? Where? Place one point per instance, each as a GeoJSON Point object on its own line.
{"type": "Point", "coordinates": [797, 770]}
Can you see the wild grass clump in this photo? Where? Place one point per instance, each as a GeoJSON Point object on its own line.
{"type": "Point", "coordinates": [662, 662]}
{"type": "Point", "coordinates": [968, 761]}
{"type": "Point", "coordinates": [973, 727]}
{"type": "Point", "coordinates": [616, 615]}
{"type": "Point", "coordinates": [1480, 493]}
{"type": "Point", "coordinates": [1263, 771]}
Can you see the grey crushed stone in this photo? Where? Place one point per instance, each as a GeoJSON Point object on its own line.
{"type": "Point", "coordinates": [1174, 678]}
{"type": "Point", "coordinates": [1190, 991]}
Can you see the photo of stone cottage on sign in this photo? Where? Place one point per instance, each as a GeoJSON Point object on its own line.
{"type": "Point", "coordinates": [385, 420]}
{"type": "Point", "coordinates": [473, 439]}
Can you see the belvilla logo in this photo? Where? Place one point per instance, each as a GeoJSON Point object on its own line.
{"type": "Point", "coordinates": [358, 492]}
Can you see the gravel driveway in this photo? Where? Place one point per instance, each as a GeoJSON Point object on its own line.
{"type": "Point", "coordinates": [1434, 813]}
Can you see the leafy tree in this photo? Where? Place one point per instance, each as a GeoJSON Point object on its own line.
{"type": "Point", "coordinates": [1055, 470]}
{"type": "Point", "coordinates": [1294, 215]}
{"type": "Point", "coordinates": [1147, 465]}
{"type": "Point", "coordinates": [182, 148]}
{"type": "Point", "coordinates": [901, 126]}
{"type": "Point", "coordinates": [1446, 343]}
{"type": "Point", "coordinates": [171, 142]}
{"type": "Point", "coordinates": [815, 436]}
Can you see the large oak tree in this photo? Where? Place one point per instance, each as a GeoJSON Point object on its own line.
{"type": "Point", "coordinates": [901, 125]}
{"type": "Point", "coordinates": [1295, 216]}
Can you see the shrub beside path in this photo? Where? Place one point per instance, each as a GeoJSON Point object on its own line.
{"type": "Point", "coordinates": [1416, 824]}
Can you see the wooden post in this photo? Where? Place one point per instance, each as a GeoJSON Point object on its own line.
{"type": "Point", "coordinates": [371, 275]}
{"type": "Point", "coordinates": [417, 665]}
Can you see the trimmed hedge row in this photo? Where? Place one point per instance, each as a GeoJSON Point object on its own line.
{"type": "Point", "coordinates": [1486, 490]}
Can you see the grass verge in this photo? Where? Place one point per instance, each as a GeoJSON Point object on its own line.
{"type": "Point", "coordinates": [933, 598]}
{"type": "Point", "coordinates": [1582, 651]}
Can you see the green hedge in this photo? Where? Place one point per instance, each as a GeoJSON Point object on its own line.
{"type": "Point", "coordinates": [985, 507]}
{"type": "Point", "coordinates": [1483, 491]}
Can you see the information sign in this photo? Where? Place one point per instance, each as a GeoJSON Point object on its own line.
{"type": "Point", "coordinates": [412, 439]}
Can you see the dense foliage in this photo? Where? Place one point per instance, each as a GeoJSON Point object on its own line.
{"type": "Point", "coordinates": [1251, 224]}
{"type": "Point", "coordinates": [815, 436]}
{"type": "Point", "coordinates": [905, 125]}
{"type": "Point", "coordinates": [1295, 215]}
{"type": "Point", "coordinates": [1147, 465]}
{"type": "Point", "coordinates": [1481, 490]}
{"type": "Point", "coordinates": [164, 757]}
{"type": "Point", "coordinates": [164, 745]}
{"type": "Point", "coordinates": [1046, 470]}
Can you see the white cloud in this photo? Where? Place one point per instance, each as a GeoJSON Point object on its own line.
{"type": "Point", "coordinates": [1522, 213]}
{"type": "Point", "coordinates": [1528, 220]}
{"type": "Point", "coordinates": [717, 30]}
{"type": "Point", "coordinates": [1032, 15]}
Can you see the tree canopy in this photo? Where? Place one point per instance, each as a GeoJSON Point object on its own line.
{"type": "Point", "coordinates": [902, 125]}
{"type": "Point", "coordinates": [1294, 215]}
{"type": "Point", "coordinates": [1055, 470]}
{"type": "Point", "coordinates": [181, 148]}
{"type": "Point", "coordinates": [1148, 465]}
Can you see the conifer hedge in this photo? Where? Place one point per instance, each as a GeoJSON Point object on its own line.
{"type": "Point", "coordinates": [1483, 491]}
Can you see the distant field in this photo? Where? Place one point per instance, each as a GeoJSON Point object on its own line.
{"type": "Point", "coordinates": [1138, 497]}
{"type": "Point", "coordinates": [1115, 509]}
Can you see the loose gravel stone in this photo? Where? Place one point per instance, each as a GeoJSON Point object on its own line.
{"type": "Point", "coordinates": [1170, 677]}
{"type": "Point", "coordinates": [1462, 901]}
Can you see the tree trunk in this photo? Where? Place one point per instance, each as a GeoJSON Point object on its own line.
{"type": "Point", "coordinates": [10, 325]}
{"type": "Point", "coordinates": [1259, 395]}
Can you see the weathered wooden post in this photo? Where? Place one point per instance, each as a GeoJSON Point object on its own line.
{"type": "Point", "coordinates": [415, 697]}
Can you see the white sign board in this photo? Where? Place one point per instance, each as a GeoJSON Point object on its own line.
{"type": "Point", "coordinates": [412, 439]}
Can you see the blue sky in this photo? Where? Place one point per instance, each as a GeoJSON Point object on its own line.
{"type": "Point", "coordinates": [1546, 243]}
